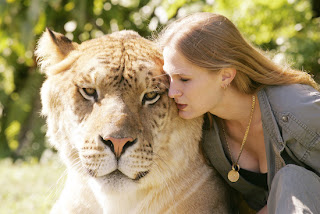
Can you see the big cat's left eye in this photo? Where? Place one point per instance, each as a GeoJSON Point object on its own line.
{"type": "Point", "coordinates": [89, 93]}
{"type": "Point", "coordinates": [150, 95]}
{"type": "Point", "coordinates": [151, 98]}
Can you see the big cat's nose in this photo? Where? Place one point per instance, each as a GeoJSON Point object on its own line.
{"type": "Point", "coordinates": [118, 145]}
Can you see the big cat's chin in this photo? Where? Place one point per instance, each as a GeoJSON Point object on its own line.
{"type": "Point", "coordinates": [116, 182]}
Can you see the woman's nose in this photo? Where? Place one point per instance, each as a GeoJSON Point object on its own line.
{"type": "Point", "coordinates": [173, 91]}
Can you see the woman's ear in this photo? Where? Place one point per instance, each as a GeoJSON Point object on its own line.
{"type": "Point", "coordinates": [227, 75]}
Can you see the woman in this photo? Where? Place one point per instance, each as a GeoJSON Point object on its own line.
{"type": "Point", "coordinates": [263, 134]}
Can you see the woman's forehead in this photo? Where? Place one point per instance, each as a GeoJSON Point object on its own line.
{"type": "Point", "coordinates": [174, 62]}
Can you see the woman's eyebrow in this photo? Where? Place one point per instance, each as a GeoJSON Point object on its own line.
{"type": "Point", "coordinates": [174, 72]}
{"type": "Point", "coordinates": [181, 74]}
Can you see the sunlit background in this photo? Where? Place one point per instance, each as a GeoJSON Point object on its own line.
{"type": "Point", "coordinates": [289, 30]}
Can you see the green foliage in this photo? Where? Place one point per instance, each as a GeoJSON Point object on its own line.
{"type": "Point", "coordinates": [285, 28]}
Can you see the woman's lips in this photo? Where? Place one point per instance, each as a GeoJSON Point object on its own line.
{"type": "Point", "coordinates": [181, 106]}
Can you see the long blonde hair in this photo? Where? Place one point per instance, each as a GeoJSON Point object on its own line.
{"type": "Point", "coordinates": [213, 42]}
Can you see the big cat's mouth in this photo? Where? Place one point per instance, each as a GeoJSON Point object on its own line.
{"type": "Point", "coordinates": [117, 174]}
{"type": "Point", "coordinates": [141, 175]}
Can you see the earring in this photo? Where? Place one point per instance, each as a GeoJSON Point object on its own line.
{"type": "Point", "coordinates": [225, 86]}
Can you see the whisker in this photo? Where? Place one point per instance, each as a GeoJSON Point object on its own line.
{"type": "Point", "coordinates": [56, 188]}
{"type": "Point", "coordinates": [163, 161]}
{"type": "Point", "coordinates": [160, 75]}
{"type": "Point", "coordinates": [96, 170]}
{"type": "Point", "coordinates": [161, 83]}
{"type": "Point", "coordinates": [158, 168]}
{"type": "Point", "coordinates": [165, 181]}
{"type": "Point", "coordinates": [151, 194]}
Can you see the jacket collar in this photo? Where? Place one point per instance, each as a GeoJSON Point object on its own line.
{"type": "Point", "coordinates": [269, 122]}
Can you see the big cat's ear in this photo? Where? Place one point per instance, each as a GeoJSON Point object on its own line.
{"type": "Point", "coordinates": [53, 48]}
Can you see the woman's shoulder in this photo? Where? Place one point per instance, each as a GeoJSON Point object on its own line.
{"type": "Point", "coordinates": [297, 101]}
{"type": "Point", "coordinates": [290, 97]}
{"type": "Point", "coordinates": [291, 90]}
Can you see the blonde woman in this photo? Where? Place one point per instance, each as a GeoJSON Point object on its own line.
{"type": "Point", "coordinates": [262, 130]}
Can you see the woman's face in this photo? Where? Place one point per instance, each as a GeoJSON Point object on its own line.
{"type": "Point", "coordinates": [194, 89]}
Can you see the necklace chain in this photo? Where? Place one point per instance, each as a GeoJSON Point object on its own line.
{"type": "Point", "coordinates": [235, 165]}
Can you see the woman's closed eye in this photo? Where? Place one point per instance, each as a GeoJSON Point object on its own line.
{"type": "Point", "coordinates": [184, 79]}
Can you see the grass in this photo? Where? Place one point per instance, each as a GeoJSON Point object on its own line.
{"type": "Point", "coordinates": [30, 187]}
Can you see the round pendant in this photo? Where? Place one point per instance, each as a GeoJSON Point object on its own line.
{"type": "Point", "coordinates": [233, 175]}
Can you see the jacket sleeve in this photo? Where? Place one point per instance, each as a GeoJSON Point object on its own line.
{"type": "Point", "coordinates": [299, 120]}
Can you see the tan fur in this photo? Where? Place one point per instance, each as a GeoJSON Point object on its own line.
{"type": "Point", "coordinates": [122, 67]}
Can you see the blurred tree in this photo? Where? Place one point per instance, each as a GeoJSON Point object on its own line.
{"type": "Point", "coordinates": [316, 8]}
{"type": "Point", "coordinates": [287, 29]}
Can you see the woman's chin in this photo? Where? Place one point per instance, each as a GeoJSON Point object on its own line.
{"type": "Point", "coordinates": [186, 115]}
{"type": "Point", "coordinates": [190, 115]}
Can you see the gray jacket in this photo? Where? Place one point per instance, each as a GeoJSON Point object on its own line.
{"type": "Point", "coordinates": [291, 126]}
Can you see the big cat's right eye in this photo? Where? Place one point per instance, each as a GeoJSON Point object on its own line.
{"type": "Point", "coordinates": [89, 93]}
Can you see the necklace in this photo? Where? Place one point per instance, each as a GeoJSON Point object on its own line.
{"type": "Point", "coordinates": [233, 174]}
